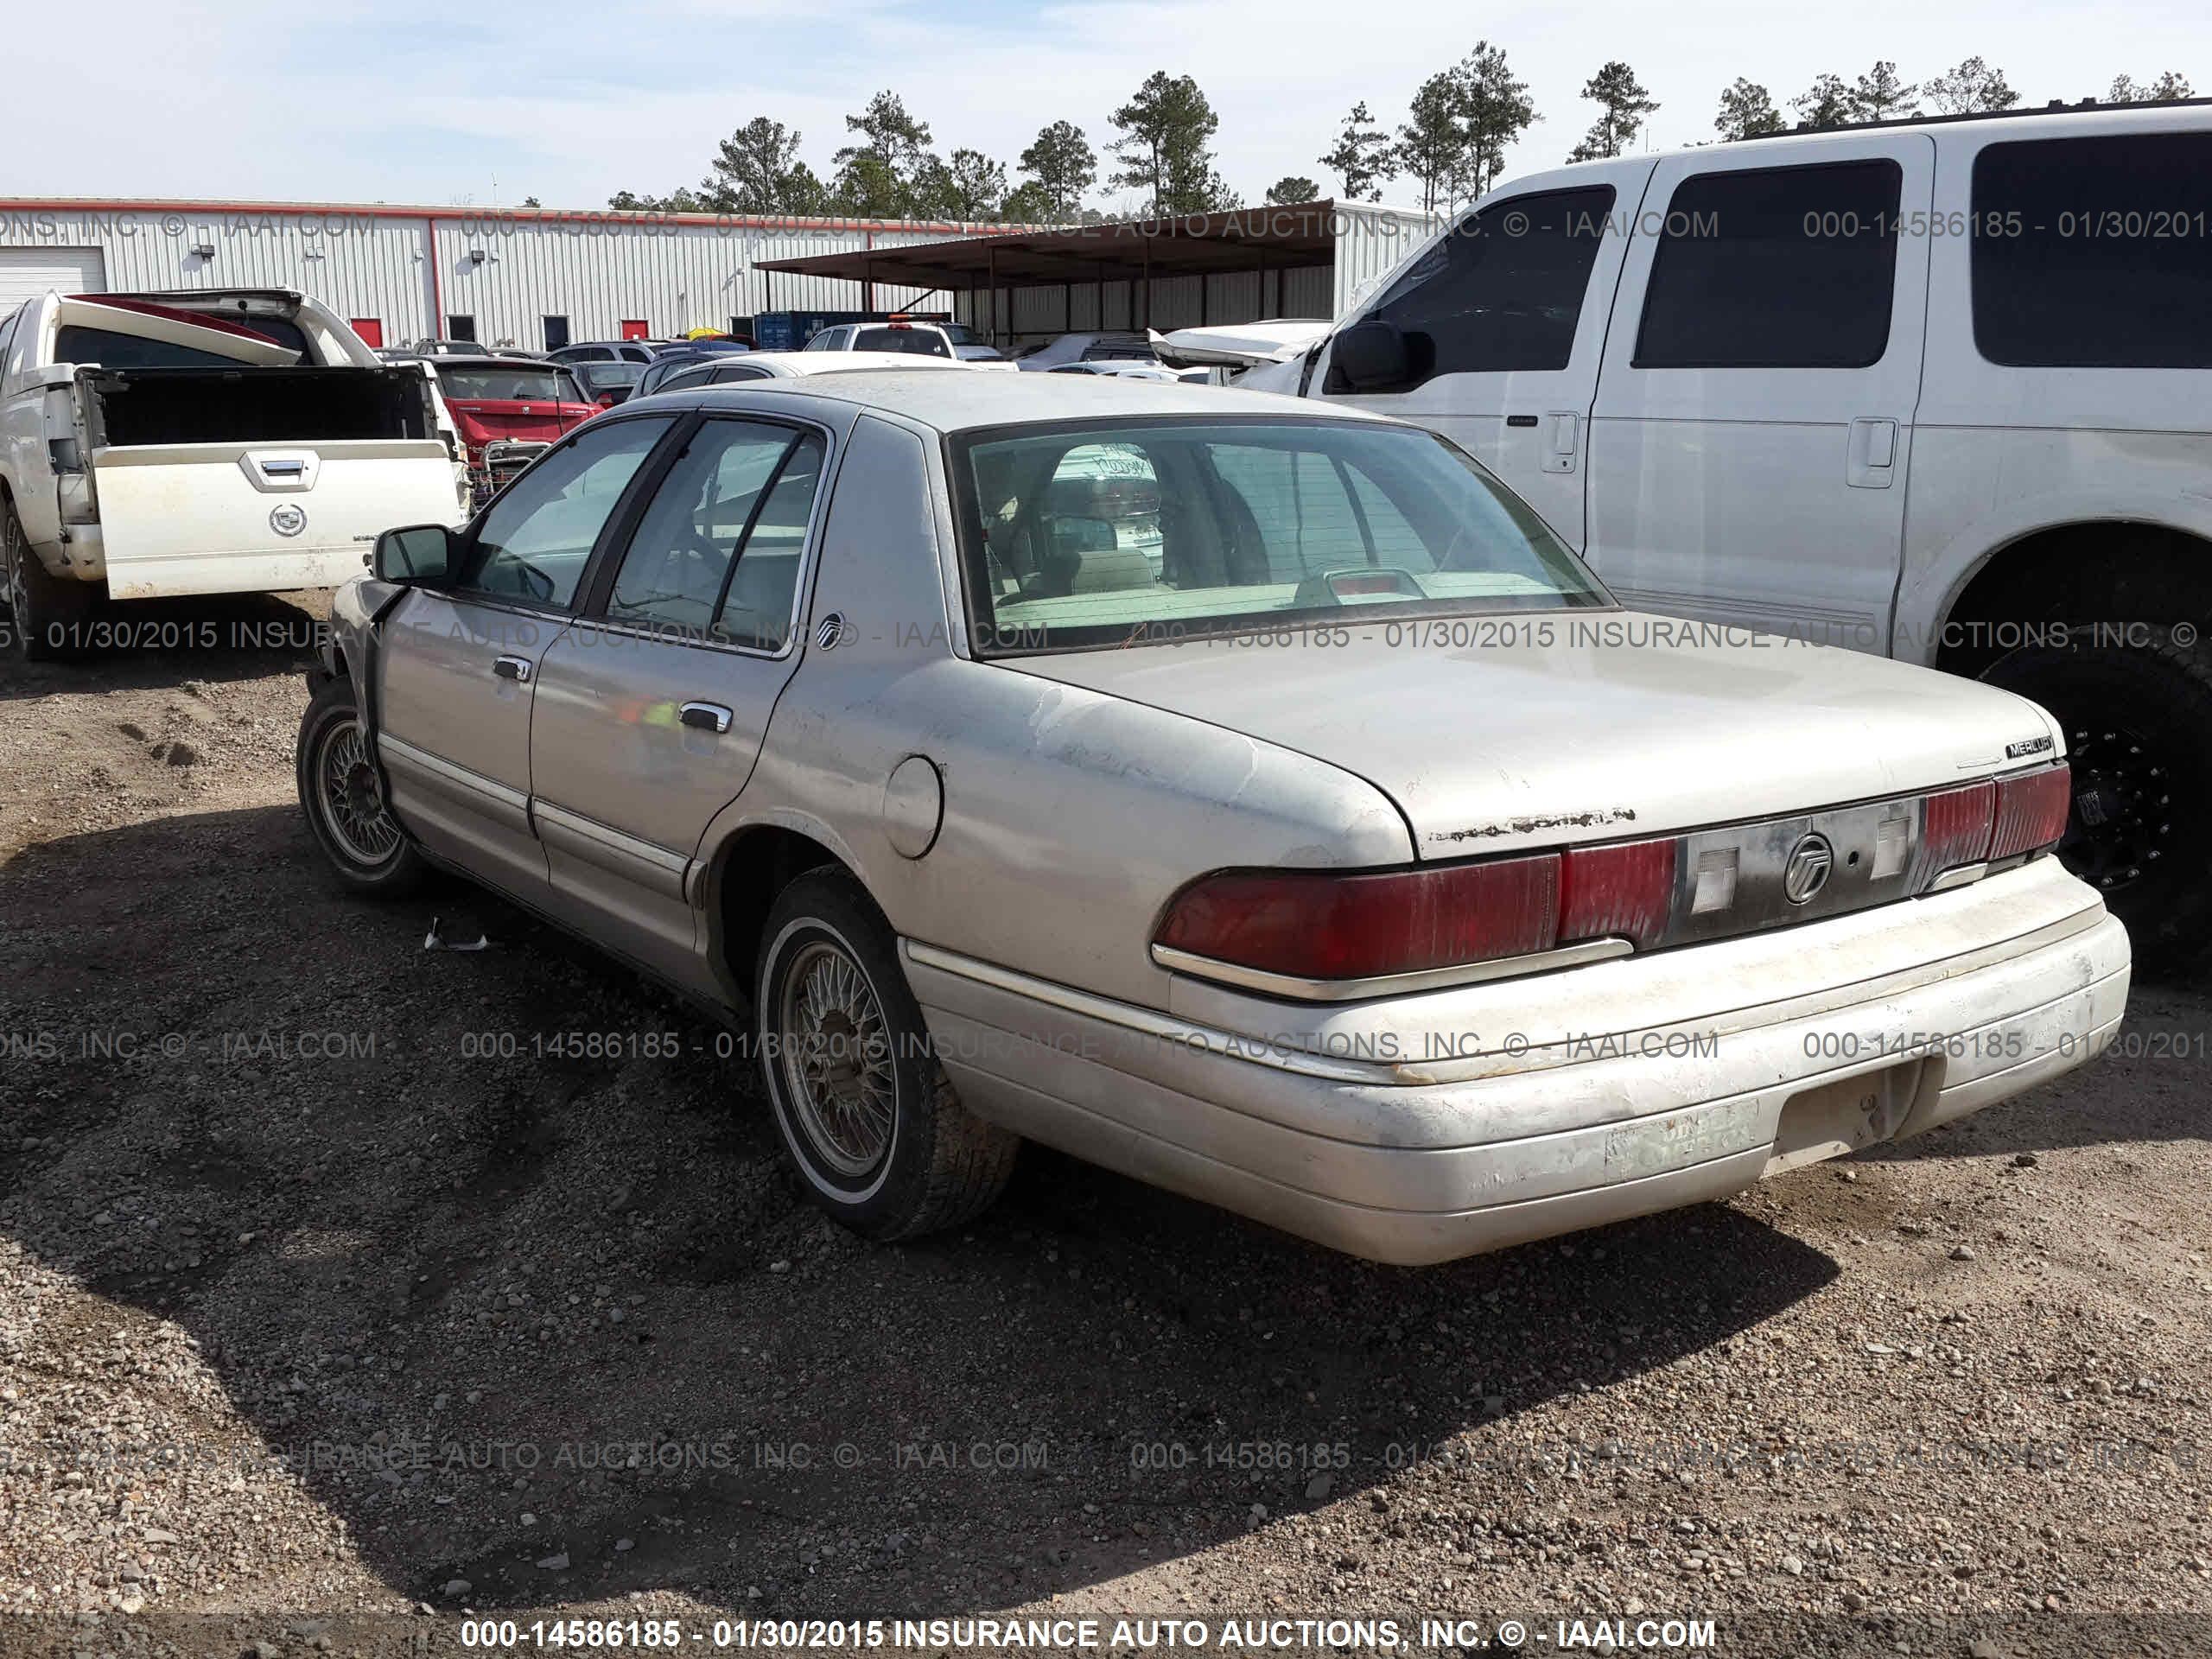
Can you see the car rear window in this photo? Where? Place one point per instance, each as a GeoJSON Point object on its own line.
{"type": "Point", "coordinates": [74, 343]}
{"type": "Point", "coordinates": [922, 342]}
{"type": "Point", "coordinates": [523, 383]}
{"type": "Point", "coordinates": [1102, 533]}
{"type": "Point", "coordinates": [2094, 252]}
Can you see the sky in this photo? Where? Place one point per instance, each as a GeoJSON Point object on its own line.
{"type": "Point", "coordinates": [407, 102]}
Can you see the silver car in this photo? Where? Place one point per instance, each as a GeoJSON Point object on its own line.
{"type": "Point", "coordinates": [1345, 856]}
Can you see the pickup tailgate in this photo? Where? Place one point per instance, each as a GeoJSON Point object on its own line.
{"type": "Point", "coordinates": [257, 517]}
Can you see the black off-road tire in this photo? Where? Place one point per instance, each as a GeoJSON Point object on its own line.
{"type": "Point", "coordinates": [45, 613]}
{"type": "Point", "coordinates": [939, 1164]}
{"type": "Point", "coordinates": [375, 859]}
{"type": "Point", "coordinates": [2138, 723]}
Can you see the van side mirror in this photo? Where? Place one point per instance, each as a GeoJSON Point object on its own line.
{"type": "Point", "coordinates": [415, 553]}
{"type": "Point", "coordinates": [1372, 356]}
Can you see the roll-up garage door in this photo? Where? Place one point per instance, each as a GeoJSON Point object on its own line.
{"type": "Point", "coordinates": [28, 273]}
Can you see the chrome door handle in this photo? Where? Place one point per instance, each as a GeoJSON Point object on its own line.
{"type": "Point", "coordinates": [512, 668]}
{"type": "Point", "coordinates": [705, 716]}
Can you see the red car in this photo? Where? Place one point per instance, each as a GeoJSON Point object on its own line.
{"type": "Point", "coordinates": [508, 411]}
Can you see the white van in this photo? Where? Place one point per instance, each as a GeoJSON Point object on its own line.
{"type": "Point", "coordinates": [1939, 389]}
{"type": "Point", "coordinates": [201, 442]}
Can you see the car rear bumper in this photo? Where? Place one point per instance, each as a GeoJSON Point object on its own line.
{"type": "Point", "coordinates": [1401, 1148]}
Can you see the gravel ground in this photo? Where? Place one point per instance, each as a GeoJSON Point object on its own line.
{"type": "Point", "coordinates": [345, 1285]}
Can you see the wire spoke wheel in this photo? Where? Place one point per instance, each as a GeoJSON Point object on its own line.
{"type": "Point", "coordinates": [351, 795]}
{"type": "Point", "coordinates": [836, 1059]}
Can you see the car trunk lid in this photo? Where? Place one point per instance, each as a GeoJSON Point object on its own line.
{"type": "Point", "coordinates": [1494, 734]}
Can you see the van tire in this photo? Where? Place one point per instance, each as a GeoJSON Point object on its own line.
{"type": "Point", "coordinates": [2138, 724]}
{"type": "Point", "coordinates": [938, 1164]}
{"type": "Point", "coordinates": [44, 612]}
{"type": "Point", "coordinates": [331, 755]}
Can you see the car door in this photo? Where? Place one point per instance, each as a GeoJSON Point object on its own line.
{"type": "Point", "coordinates": [457, 663]}
{"type": "Point", "coordinates": [1753, 423]}
{"type": "Point", "coordinates": [653, 707]}
{"type": "Point", "coordinates": [1505, 321]}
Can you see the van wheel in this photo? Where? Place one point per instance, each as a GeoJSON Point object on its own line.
{"type": "Point", "coordinates": [863, 1107]}
{"type": "Point", "coordinates": [42, 609]}
{"type": "Point", "coordinates": [2139, 735]}
{"type": "Point", "coordinates": [341, 792]}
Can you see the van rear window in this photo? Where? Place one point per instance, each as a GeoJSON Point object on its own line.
{"type": "Point", "coordinates": [2094, 252]}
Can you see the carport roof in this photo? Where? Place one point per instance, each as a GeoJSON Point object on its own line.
{"type": "Point", "coordinates": [1245, 238]}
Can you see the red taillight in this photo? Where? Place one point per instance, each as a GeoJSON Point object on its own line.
{"type": "Point", "coordinates": [1309, 924]}
{"type": "Point", "coordinates": [1955, 830]}
{"type": "Point", "coordinates": [2031, 812]}
{"type": "Point", "coordinates": [1625, 891]}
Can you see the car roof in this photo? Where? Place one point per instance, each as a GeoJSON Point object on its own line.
{"type": "Point", "coordinates": [957, 401]}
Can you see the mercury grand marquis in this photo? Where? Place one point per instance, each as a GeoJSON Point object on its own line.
{"type": "Point", "coordinates": [1350, 859]}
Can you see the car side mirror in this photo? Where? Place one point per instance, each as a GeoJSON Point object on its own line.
{"type": "Point", "coordinates": [1372, 356]}
{"type": "Point", "coordinates": [415, 553]}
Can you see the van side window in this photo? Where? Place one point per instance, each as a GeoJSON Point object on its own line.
{"type": "Point", "coordinates": [1503, 288]}
{"type": "Point", "coordinates": [2093, 252]}
{"type": "Point", "coordinates": [1774, 267]}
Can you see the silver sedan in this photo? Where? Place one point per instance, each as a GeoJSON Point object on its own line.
{"type": "Point", "coordinates": [1261, 802]}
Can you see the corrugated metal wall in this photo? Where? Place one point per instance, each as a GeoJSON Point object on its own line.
{"type": "Point", "coordinates": [1370, 241]}
{"type": "Point", "coordinates": [597, 271]}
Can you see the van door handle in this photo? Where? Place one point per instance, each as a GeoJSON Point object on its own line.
{"type": "Point", "coordinates": [1870, 461]}
{"type": "Point", "coordinates": [1563, 441]}
{"type": "Point", "coordinates": [705, 716]}
{"type": "Point", "coordinates": [512, 668]}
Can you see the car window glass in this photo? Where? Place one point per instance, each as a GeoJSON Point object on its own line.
{"type": "Point", "coordinates": [1150, 532]}
{"type": "Point", "coordinates": [922, 342]}
{"type": "Point", "coordinates": [680, 561]}
{"type": "Point", "coordinates": [533, 541]}
{"type": "Point", "coordinates": [722, 377]}
{"type": "Point", "coordinates": [1504, 290]}
{"type": "Point", "coordinates": [1774, 267]}
{"type": "Point", "coordinates": [757, 609]}
{"type": "Point", "coordinates": [696, 375]}
{"type": "Point", "coordinates": [2094, 252]}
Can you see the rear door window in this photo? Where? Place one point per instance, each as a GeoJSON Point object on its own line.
{"type": "Point", "coordinates": [1772, 268]}
{"type": "Point", "coordinates": [716, 555]}
{"type": "Point", "coordinates": [2094, 252]}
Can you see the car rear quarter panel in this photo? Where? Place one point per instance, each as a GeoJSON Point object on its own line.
{"type": "Point", "coordinates": [1069, 816]}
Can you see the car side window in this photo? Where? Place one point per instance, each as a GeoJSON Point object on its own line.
{"type": "Point", "coordinates": [533, 542]}
{"type": "Point", "coordinates": [1787, 267]}
{"type": "Point", "coordinates": [1504, 290]}
{"type": "Point", "coordinates": [716, 555]}
{"type": "Point", "coordinates": [696, 375]}
{"type": "Point", "coordinates": [2092, 252]}
{"type": "Point", "coordinates": [738, 372]}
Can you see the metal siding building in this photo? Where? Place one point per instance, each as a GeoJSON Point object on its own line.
{"type": "Point", "coordinates": [406, 270]}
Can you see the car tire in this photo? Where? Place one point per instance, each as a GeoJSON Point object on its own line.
{"type": "Point", "coordinates": [342, 795]}
{"type": "Point", "coordinates": [865, 1111]}
{"type": "Point", "coordinates": [2138, 723]}
{"type": "Point", "coordinates": [43, 611]}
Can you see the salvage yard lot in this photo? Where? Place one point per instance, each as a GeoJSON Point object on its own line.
{"type": "Point", "coordinates": [342, 1278]}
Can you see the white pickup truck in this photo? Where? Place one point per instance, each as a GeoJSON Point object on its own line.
{"type": "Point", "coordinates": [203, 441]}
{"type": "Point", "coordinates": [1939, 390]}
